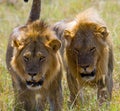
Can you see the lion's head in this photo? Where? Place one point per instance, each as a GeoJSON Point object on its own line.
{"type": "Point", "coordinates": [87, 49]}
{"type": "Point", "coordinates": [35, 58]}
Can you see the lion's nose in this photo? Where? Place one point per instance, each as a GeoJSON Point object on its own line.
{"type": "Point", "coordinates": [84, 66]}
{"type": "Point", "coordinates": [32, 74]}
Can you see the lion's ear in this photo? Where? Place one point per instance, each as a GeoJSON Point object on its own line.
{"type": "Point", "coordinates": [55, 44]}
{"type": "Point", "coordinates": [103, 31]}
{"type": "Point", "coordinates": [68, 35]}
{"type": "Point", "coordinates": [16, 43]}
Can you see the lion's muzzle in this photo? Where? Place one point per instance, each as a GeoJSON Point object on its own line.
{"type": "Point", "coordinates": [35, 85]}
{"type": "Point", "coordinates": [88, 76]}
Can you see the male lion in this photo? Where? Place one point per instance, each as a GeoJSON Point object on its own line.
{"type": "Point", "coordinates": [35, 65]}
{"type": "Point", "coordinates": [88, 54]}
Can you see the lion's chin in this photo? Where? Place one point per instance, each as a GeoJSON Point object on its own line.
{"type": "Point", "coordinates": [34, 85]}
{"type": "Point", "coordinates": [88, 76]}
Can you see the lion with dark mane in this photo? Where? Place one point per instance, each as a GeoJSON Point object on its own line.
{"type": "Point", "coordinates": [88, 54]}
{"type": "Point", "coordinates": [35, 65]}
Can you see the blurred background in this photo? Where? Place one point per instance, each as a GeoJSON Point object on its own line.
{"type": "Point", "coordinates": [15, 12]}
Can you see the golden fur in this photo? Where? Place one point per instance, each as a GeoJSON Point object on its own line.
{"type": "Point", "coordinates": [88, 53]}
{"type": "Point", "coordinates": [35, 65]}
{"type": "Point", "coordinates": [34, 32]}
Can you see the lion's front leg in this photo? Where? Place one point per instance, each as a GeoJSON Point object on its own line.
{"type": "Point", "coordinates": [105, 90]}
{"type": "Point", "coordinates": [55, 96]}
{"type": "Point", "coordinates": [24, 101]}
{"type": "Point", "coordinates": [56, 100]}
{"type": "Point", "coordinates": [24, 98]}
{"type": "Point", "coordinates": [73, 88]}
{"type": "Point", "coordinates": [40, 102]}
{"type": "Point", "coordinates": [109, 83]}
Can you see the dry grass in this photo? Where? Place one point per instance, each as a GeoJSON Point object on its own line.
{"type": "Point", "coordinates": [52, 11]}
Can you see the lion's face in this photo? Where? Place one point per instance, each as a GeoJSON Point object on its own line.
{"type": "Point", "coordinates": [34, 58]}
{"type": "Point", "coordinates": [83, 50]}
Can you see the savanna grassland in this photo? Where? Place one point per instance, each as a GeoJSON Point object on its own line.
{"type": "Point", "coordinates": [53, 11]}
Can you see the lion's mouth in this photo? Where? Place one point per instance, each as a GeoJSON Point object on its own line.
{"type": "Point", "coordinates": [88, 75]}
{"type": "Point", "coordinates": [34, 83]}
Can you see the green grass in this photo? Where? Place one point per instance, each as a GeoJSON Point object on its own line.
{"type": "Point", "coordinates": [53, 11]}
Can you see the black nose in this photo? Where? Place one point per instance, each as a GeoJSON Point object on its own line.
{"type": "Point", "coordinates": [84, 66]}
{"type": "Point", "coordinates": [32, 74]}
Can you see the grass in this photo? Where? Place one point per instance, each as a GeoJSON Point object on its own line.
{"type": "Point", "coordinates": [53, 11]}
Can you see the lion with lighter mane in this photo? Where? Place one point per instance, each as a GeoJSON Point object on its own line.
{"type": "Point", "coordinates": [35, 65]}
{"type": "Point", "coordinates": [88, 54]}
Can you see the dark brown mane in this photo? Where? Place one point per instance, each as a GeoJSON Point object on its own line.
{"type": "Point", "coordinates": [38, 29]}
{"type": "Point", "coordinates": [38, 26]}
{"type": "Point", "coordinates": [85, 27]}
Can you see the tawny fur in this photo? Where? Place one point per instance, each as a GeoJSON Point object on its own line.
{"type": "Point", "coordinates": [32, 40]}
{"type": "Point", "coordinates": [35, 65]}
{"type": "Point", "coordinates": [85, 31]}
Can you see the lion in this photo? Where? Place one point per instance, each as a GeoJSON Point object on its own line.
{"type": "Point", "coordinates": [88, 54]}
{"type": "Point", "coordinates": [35, 65]}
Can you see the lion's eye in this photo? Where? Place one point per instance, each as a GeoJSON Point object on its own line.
{"type": "Point", "coordinates": [26, 59]}
{"type": "Point", "coordinates": [93, 49]}
{"type": "Point", "coordinates": [42, 58]}
{"type": "Point", "coordinates": [26, 56]}
{"type": "Point", "coordinates": [76, 51]}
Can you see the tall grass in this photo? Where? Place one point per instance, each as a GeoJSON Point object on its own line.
{"type": "Point", "coordinates": [53, 11]}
